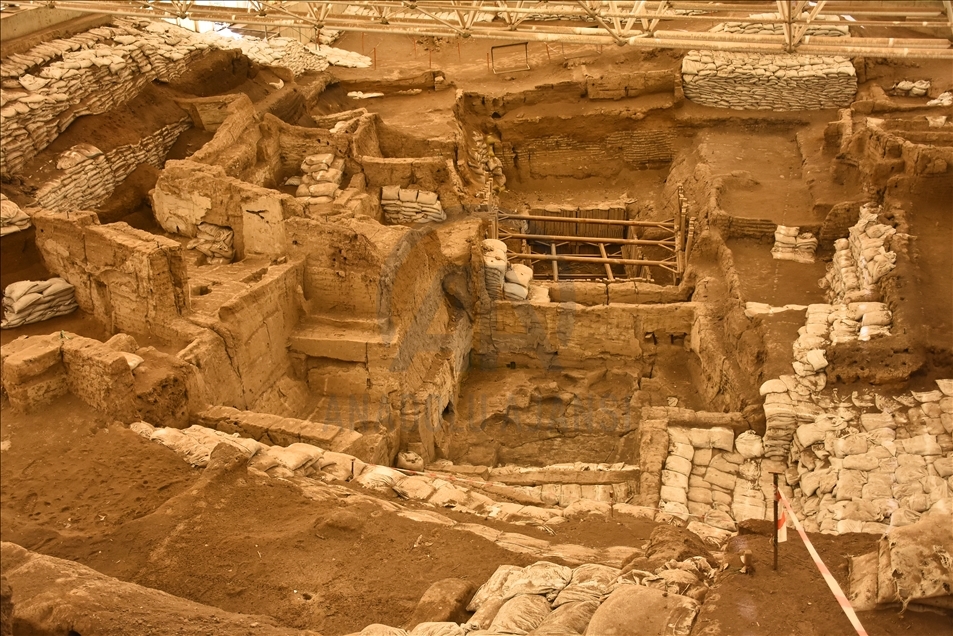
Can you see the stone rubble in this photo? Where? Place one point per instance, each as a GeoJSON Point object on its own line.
{"type": "Point", "coordinates": [26, 302]}
{"type": "Point", "coordinates": [790, 245]}
{"type": "Point", "coordinates": [12, 218]}
{"type": "Point", "coordinates": [411, 206]}
{"type": "Point", "coordinates": [756, 81]}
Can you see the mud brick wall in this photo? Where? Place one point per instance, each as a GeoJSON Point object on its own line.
{"type": "Point", "coordinates": [90, 182]}
{"type": "Point", "coordinates": [572, 335]}
{"type": "Point", "coordinates": [619, 85]}
{"type": "Point", "coordinates": [256, 325]}
{"type": "Point", "coordinates": [754, 81]}
{"type": "Point", "coordinates": [566, 156]}
{"type": "Point", "coordinates": [911, 149]}
{"type": "Point", "coordinates": [131, 280]}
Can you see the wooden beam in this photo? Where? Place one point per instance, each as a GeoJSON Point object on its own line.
{"type": "Point", "coordinates": [602, 250]}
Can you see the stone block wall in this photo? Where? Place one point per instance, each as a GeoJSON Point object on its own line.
{"type": "Point", "coordinates": [131, 280]}
{"type": "Point", "coordinates": [756, 81]}
{"type": "Point", "coordinates": [89, 182]}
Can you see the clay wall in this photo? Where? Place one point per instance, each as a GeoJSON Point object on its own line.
{"type": "Point", "coordinates": [572, 335]}
{"type": "Point", "coordinates": [618, 85]}
{"type": "Point", "coordinates": [130, 280]}
{"type": "Point", "coordinates": [756, 81]}
{"type": "Point", "coordinates": [901, 148]}
{"type": "Point", "coordinates": [256, 325]}
{"type": "Point", "coordinates": [91, 181]}
{"type": "Point", "coordinates": [37, 370]}
{"type": "Point", "coordinates": [188, 193]}
{"type": "Point", "coordinates": [581, 155]}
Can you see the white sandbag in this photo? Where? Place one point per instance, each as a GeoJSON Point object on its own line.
{"type": "Point", "coordinates": [538, 294]}
{"type": "Point", "coordinates": [749, 445]}
{"type": "Point", "coordinates": [144, 429]}
{"type": "Point", "coordinates": [700, 437]}
{"type": "Point", "coordinates": [296, 455]}
{"type": "Point", "coordinates": [409, 460]}
{"type": "Point", "coordinates": [389, 193]}
{"type": "Point", "coordinates": [722, 438]}
{"type": "Point", "coordinates": [678, 464]}
{"type": "Point", "coordinates": [569, 619]}
{"type": "Point", "coordinates": [438, 629]}
{"type": "Point", "coordinates": [589, 582]}
{"type": "Point", "coordinates": [674, 479]}
{"type": "Point", "coordinates": [872, 421]}
{"type": "Point", "coordinates": [380, 478]}
{"type": "Point", "coordinates": [914, 561]}
{"type": "Point", "coordinates": [520, 614]}
{"type": "Point", "coordinates": [495, 263]}
{"type": "Point", "coordinates": [773, 386]}
{"type": "Point", "coordinates": [676, 495]}
{"type": "Point", "coordinates": [493, 245]}
{"type": "Point", "coordinates": [519, 274]}
{"type": "Point", "coordinates": [512, 291]}
{"type": "Point", "coordinates": [542, 577]}
{"type": "Point", "coordinates": [415, 487]}
{"type": "Point", "coordinates": [494, 586]}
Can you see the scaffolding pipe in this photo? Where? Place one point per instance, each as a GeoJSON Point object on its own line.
{"type": "Point", "coordinates": [666, 225]}
{"type": "Point", "coordinates": [598, 260]}
{"type": "Point", "coordinates": [590, 239]}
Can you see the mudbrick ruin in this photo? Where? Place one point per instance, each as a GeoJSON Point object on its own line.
{"type": "Point", "coordinates": [489, 318]}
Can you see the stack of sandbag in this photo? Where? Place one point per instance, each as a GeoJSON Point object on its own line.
{"type": "Point", "coordinates": [12, 218]}
{"type": "Point", "coordinates": [861, 260]}
{"type": "Point", "coordinates": [411, 206]}
{"type": "Point", "coordinates": [790, 245]}
{"type": "Point", "coordinates": [321, 180]}
{"type": "Point", "coordinates": [701, 474]}
{"type": "Point", "coordinates": [858, 471]}
{"type": "Point", "coordinates": [217, 242]}
{"type": "Point", "coordinates": [945, 99]}
{"type": "Point", "coordinates": [906, 88]}
{"type": "Point", "coordinates": [30, 301]}
{"type": "Point", "coordinates": [516, 282]}
{"type": "Point", "coordinates": [494, 267]}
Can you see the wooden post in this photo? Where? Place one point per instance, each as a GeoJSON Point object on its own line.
{"type": "Point", "coordinates": [488, 60]}
{"type": "Point", "coordinates": [602, 250]}
{"type": "Point", "coordinates": [459, 54]}
{"type": "Point", "coordinates": [552, 248]}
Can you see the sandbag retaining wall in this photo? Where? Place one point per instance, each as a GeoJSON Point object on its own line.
{"type": "Point", "coordinates": [755, 81]}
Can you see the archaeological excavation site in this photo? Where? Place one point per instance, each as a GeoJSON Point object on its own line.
{"type": "Point", "coordinates": [473, 318]}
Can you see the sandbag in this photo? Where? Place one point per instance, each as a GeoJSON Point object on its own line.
{"type": "Point", "coordinates": [569, 619]}
{"type": "Point", "coordinates": [494, 586]}
{"type": "Point", "coordinates": [749, 445]}
{"type": "Point", "coordinates": [519, 274]}
{"type": "Point", "coordinates": [915, 561]}
{"type": "Point", "coordinates": [589, 582]}
{"type": "Point", "coordinates": [635, 609]}
{"type": "Point", "coordinates": [521, 614]}
{"type": "Point", "coordinates": [415, 487]}
{"type": "Point", "coordinates": [542, 577]}
{"type": "Point", "coordinates": [722, 438]}
{"type": "Point", "coordinates": [513, 291]}
{"type": "Point", "coordinates": [438, 629]}
{"type": "Point", "coordinates": [380, 478]}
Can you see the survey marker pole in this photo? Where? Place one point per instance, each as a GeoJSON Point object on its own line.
{"type": "Point", "coordinates": [775, 475]}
